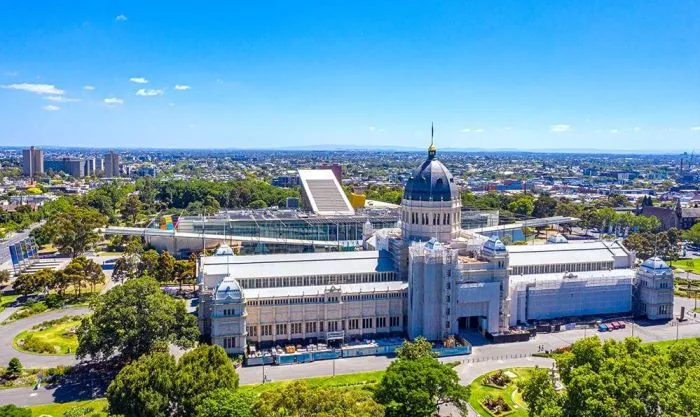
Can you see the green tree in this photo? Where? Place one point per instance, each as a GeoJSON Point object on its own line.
{"type": "Point", "coordinates": [298, 399]}
{"type": "Point", "coordinates": [130, 208]}
{"type": "Point", "coordinates": [26, 284]}
{"type": "Point", "coordinates": [144, 388]}
{"type": "Point", "coordinates": [4, 276]}
{"type": "Point", "coordinates": [257, 204]}
{"type": "Point", "coordinates": [693, 234]}
{"type": "Point", "coordinates": [74, 231]}
{"type": "Point", "coordinates": [200, 372]}
{"type": "Point", "coordinates": [545, 206]}
{"type": "Point", "coordinates": [419, 348]}
{"type": "Point", "coordinates": [417, 387]}
{"type": "Point", "coordinates": [124, 268]}
{"type": "Point", "coordinates": [165, 270]}
{"type": "Point", "coordinates": [538, 392]}
{"type": "Point", "coordinates": [14, 368]}
{"type": "Point", "coordinates": [184, 272]}
{"type": "Point", "coordinates": [522, 206]}
{"type": "Point", "coordinates": [148, 263]}
{"type": "Point", "coordinates": [617, 200]}
{"type": "Point", "coordinates": [134, 319]}
{"type": "Point", "coordinates": [60, 282]}
{"type": "Point", "coordinates": [160, 386]}
{"type": "Point", "coordinates": [226, 403]}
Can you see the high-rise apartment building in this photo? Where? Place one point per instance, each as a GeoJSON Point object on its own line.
{"type": "Point", "coordinates": [111, 164]}
{"type": "Point", "coordinates": [32, 162]}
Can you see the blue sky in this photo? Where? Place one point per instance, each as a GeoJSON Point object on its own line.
{"type": "Point", "coordinates": [493, 74]}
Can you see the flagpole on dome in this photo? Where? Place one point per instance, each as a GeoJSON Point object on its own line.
{"type": "Point", "coordinates": [432, 149]}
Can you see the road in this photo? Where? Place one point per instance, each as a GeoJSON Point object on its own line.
{"type": "Point", "coordinates": [9, 331]}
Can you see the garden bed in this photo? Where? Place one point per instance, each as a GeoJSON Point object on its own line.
{"type": "Point", "coordinates": [481, 392]}
{"type": "Point", "coordinates": [53, 337]}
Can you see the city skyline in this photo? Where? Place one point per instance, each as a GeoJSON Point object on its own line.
{"type": "Point", "coordinates": [593, 75]}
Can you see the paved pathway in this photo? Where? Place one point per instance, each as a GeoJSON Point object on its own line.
{"type": "Point", "coordinates": [9, 331]}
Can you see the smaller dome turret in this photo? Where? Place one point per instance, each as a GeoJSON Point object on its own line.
{"type": "Point", "coordinates": [494, 246]}
{"type": "Point", "coordinates": [229, 290]}
{"type": "Point", "coordinates": [655, 265]}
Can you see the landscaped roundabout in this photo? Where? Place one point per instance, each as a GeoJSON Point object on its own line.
{"type": "Point", "coordinates": [496, 393]}
{"type": "Point", "coordinates": [53, 337]}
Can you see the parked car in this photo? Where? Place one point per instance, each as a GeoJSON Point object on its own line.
{"type": "Point", "coordinates": [613, 325]}
{"type": "Point", "coordinates": [622, 324]}
{"type": "Point", "coordinates": [109, 263]}
{"type": "Point", "coordinates": [602, 327]}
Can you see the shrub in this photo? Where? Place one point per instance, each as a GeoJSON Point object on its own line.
{"type": "Point", "coordinates": [14, 368]}
{"type": "Point", "coordinates": [53, 301]}
{"type": "Point", "coordinates": [78, 412]}
{"type": "Point", "coordinates": [35, 345]}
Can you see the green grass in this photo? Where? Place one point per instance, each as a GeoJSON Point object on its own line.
{"type": "Point", "coordinates": [361, 380]}
{"type": "Point", "coordinates": [663, 345]}
{"type": "Point", "coordinates": [56, 335]}
{"type": "Point", "coordinates": [479, 391]}
{"type": "Point", "coordinates": [6, 300]}
{"type": "Point", "coordinates": [98, 406]}
{"type": "Point", "coordinates": [685, 264]}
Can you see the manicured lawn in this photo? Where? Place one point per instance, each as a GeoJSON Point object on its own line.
{"type": "Point", "coordinates": [479, 391]}
{"type": "Point", "coordinates": [56, 410]}
{"type": "Point", "coordinates": [663, 345]}
{"type": "Point", "coordinates": [50, 338]}
{"type": "Point", "coordinates": [6, 300]}
{"type": "Point", "coordinates": [362, 380]}
{"type": "Point", "coordinates": [686, 265]}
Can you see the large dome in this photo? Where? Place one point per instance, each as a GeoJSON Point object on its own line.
{"type": "Point", "coordinates": [431, 182]}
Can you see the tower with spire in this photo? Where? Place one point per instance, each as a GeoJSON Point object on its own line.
{"type": "Point", "coordinates": [431, 205]}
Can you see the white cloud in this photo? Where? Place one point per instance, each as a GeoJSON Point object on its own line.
{"type": "Point", "coordinates": [372, 128]}
{"type": "Point", "coordinates": [559, 128]}
{"type": "Point", "coordinates": [138, 80]}
{"type": "Point", "coordinates": [182, 87]}
{"type": "Point", "coordinates": [88, 88]}
{"type": "Point", "coordinates": [51, 107]}
{"type": "Point", "coordinates": [35, 88]}
{"type": "Point", "coordinates": [121, 18]}
{"type": "Point", "coordinates": [149, 93]}
{"type": "Point", "coordinates": [613, 131]}
{"type": "Point", "coordinates": [695, 128]}
{"type": "Point", "coordinates": [61, 99]}
{"type": "Point", "coordinates": [469, 130]}
{"type": "Point", "coordinates": [113, 100]}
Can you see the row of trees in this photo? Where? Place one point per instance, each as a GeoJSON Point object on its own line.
{"type": "Point", "coordinates": [663, 244]}
{"type": "Point", "coordinates": [80, 273]}
{"type": "Point", "coordinates": [600, 214]}
{"type": "Point", "coordinates": [163, 267]}
{"type": "Point", "coordinates": [626, 378]}
{"type": "Point", "coordinates": [201, 196]}
{"type": "Point", "coordinates": [204, 383]}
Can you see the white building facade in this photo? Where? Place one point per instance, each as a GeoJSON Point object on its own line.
{"type": "Point", "coordinates": [425, 278]}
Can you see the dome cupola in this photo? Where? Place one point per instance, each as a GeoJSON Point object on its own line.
{"type": "Point", "coordinates": [432, 181]}
{"type": "Point", "coordinates": [431, 204]}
